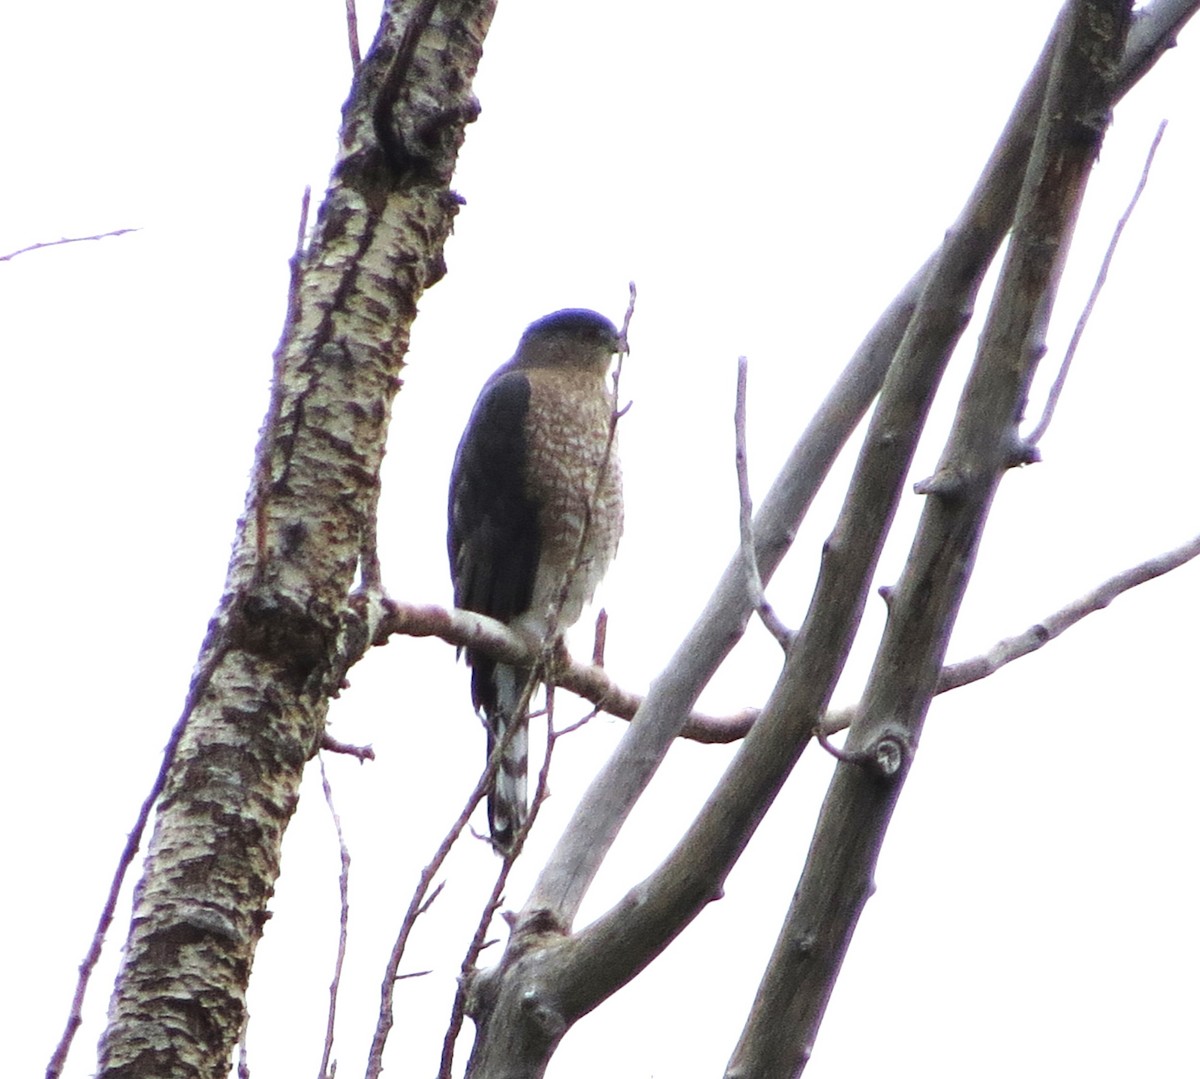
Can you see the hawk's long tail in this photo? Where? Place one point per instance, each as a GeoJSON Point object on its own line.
{"type": "Point", "coordinates": [498, 688]}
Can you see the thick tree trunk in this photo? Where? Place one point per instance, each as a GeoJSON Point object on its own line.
{"type": "Point", "coordinates": [284, 634]}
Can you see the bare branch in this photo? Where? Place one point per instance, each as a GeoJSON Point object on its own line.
{"type": "Point", "coordinates": [199, 684]}
{"type": "Point", "coordinates": [1035, 436]}
{"type": "Point", "coordinates": [754, 585]}
{"type": "Point", "coordinates": [418, 904]}
{"type": "Point", "coordinates": [1005, 651]}
{"type": "Point", "coordinates": [836, 880]}
{"type": "Point", "coordinates": [600, 638]}
{"type": "Point", "coordinates": [352, 34]}
{"type": "Point", "coordinates": [243, 1054]}
{"type": "Point", "coordinates": [65, 240]}
{"type": "Point", "coordinates": [590, 681]}
{"type": "Point", "coordinates": [343, 924]}
{"type": "Point", "coordinates": [628, 317]}
{"type": "Point", "coordinates": [650, 918]}
{"type": "Point", "coordinates": [976, 237]}
{"type": "Point", "coordinates": [468, 975]}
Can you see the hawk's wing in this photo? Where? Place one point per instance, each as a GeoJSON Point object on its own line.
{"type": "Point", "coordinates": [495, 543]}
{"type": "Point", "coordinates": [493, 536]}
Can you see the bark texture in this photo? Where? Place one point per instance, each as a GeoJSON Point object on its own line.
{"type": "Point", "coordinates": [284, 633]}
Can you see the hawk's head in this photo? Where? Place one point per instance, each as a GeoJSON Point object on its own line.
{"type": "Point", "coordinates": [573, 337]}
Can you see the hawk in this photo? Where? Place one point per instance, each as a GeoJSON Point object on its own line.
{"type": "Point", "coordinates": [535, 471]}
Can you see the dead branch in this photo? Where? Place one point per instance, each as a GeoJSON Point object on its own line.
{"type": "Point", "coordinates": [1041, 633]}
{"type": "Point", "coordinates": [1060, 379]}
{"type": "Point", "coordinates": [352, 34]}
{"type": "Point", "coordinates": [65, 240]}
{"type": "Point", "coordinates": [754, 585]}
{"type": "Point", "coordinates": [343, 924]}
{"type": "Point", "coordinates": [837, 876]}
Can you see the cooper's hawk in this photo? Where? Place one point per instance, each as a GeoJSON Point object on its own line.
{"type": "Point", "coordinates": [534, 471]}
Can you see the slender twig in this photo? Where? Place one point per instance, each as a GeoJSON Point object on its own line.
{"type": "Point", "coordinates": [479, 939]}
{"type": "Point", "coordinates": [65, 240]}
{"type": "Point", "coordinates": [600, 638]}
{"type": "Point", "coordinates": [628, 316]}
{"type": "Point", "coordinates": [243, 1054]}
{"type": "Point", "coordinates": [1003, 652]}
{"type": "Point", "coordinates": [427, 904]}
{"type": "Point", "coordinates": [1060, 379]}
{"type": "Point", "coordinates": [766, 613]}
{"type": "Point", "coordinates": [343, 922]}
{"type": "Point", "coordinates": [418, 904]}
{"type": "Point", "coordinates": [570, 728]}
{"type": "Point", "coordinates": [972, 670]}
{"type": "Point", "coordinates": [352, 33]}
{"type": "Point", "coordinates": [134, 840]}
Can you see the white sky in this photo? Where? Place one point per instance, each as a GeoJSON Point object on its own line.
{"type": "Point", "coordinates": [770, 180]}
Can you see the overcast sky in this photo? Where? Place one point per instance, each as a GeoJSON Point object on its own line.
{"type": "Point", "coordinates": [770, 179]}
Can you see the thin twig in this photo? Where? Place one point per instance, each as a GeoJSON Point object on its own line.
{"type": "Point", "coordinates": [954, 675]}
{"type": "Point", "coordinates": [343, 923]}
{"type": "Point", "coordinates": [628, 316]}
{"type": "Point", "coordinates": [65, 240]}
{"type": "Point", "coordinates": [1061, 378]}
{"type": "Point", "coordinates": [479, 939]}
{"type": "Point", "coordinates": [1003, 652]}
{"type": "Point", "coordinates": [600, 638]}
{"type": "Point", "coordinates": [754, 585]}
{"type": "Point", "coordinates": [418, 904]}
{"type": "Point", "coordinates": [199, 684]}
{"type": "Point", "coordinates": [570, 728]}
{"type": "Point", "coordinates": [429, 903]}
{"type": "Point", "coordinates": [352, 33]}
{"type": "Point", "coordinates": [243, 1061]}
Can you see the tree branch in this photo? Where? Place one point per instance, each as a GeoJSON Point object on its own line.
{"type": "Point", "coordinates": [836, 880]}
{"type": "Point", "coordinates": [65, 240]}
{"type": "Point", "coordinates": [324, 1071]}
{"type": "Point", "coordinates": [1005, 651]}
{"type": "Point", "coordinates": [754, 585]}
{"type": "Point", "coordinates": [549, 973]}
{"type": "Point", "coordinates": [1060, 379]}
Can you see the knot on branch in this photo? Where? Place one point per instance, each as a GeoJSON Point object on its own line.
{"type": "Point", "coordinates": [286, 634]}
{"type": "Point", "coordinates": [548, 1021]}
{"type": "Point", "coordinates": [885, 757]}
{"type": "Point", "coordinates": [1023, 452]}
{"type": "Point", "coordinates": [948, 483]}
{"type": "Point", "coordinates": [890, 753]}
